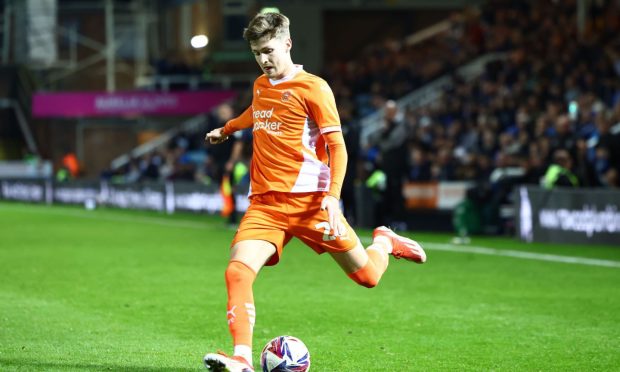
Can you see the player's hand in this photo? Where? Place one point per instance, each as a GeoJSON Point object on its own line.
{"type": "Point", "coordinates": [216, 136]}
{"type": "Point", "coordinates": [332, 206]}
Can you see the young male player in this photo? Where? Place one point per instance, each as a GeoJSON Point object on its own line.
{"type": "Point", "coordinates": [295, 185]}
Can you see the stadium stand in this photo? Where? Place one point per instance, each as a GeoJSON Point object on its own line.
{"type": "Point", "coordinates": [496, 131]}
{"type": "Point", "coordinates": [544, 96]}
{"type": "Point", "coordinates": [541, 84]}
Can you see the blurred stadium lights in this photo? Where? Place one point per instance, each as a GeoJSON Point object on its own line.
{"type": "Point", "coordinates": [379, 4]}
{"type": "Point", "coordinates": [199, 41]}
{"type": "Point", "coordinates": [270, 9]}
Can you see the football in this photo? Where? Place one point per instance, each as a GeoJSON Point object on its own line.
{"type": "Point", "coordinates": [285, 353]}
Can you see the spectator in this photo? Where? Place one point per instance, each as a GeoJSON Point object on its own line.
{"type": "Point", "coordinates": [420, 168]}
{"type": "Point", "coordinates": [219, 155]}
{"type": "Point", "coordinates": [390, 140]}
{"type": "Point", "coordinates": [560, 172]}
{"type": "Point", "coordinates": [351, 133]}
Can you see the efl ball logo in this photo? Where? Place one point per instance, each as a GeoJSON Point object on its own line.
{"type": "Point", "coordinates": [285, 354]}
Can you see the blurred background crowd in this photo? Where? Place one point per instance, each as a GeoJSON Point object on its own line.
{"type": "Point", "coordinates": [549, 93]}
{"type": "Point", "coordinates": [550, 97]}
{"type": "Point", "coordinates": [554, 98]}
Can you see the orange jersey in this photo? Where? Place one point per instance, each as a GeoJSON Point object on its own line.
{"type": "Point", "coordinates": [288, 117]}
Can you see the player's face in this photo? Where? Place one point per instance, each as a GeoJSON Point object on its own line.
{"type": "Point", "coordinates": [273, 56]}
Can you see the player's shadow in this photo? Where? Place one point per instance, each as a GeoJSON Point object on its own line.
{"type": "Point", "coordinates": [26, 364]}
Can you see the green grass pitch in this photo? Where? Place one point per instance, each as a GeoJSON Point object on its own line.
{"type": "Point", "coordinates": [143, 291]}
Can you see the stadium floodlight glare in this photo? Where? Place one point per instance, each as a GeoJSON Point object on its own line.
{"type": "Point", "coordinates": [199, 41]}
{"type": "Point", "coordinates": [269, 9]}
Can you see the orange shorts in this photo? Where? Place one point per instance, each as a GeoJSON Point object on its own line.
{"type": "Point", "coordinates": [277, 217]}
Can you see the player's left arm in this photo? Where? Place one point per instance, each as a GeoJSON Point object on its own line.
{"type": "Point", "coordinates": [322, 108]}
{"type": "Point", "coordinates": [338, 166]}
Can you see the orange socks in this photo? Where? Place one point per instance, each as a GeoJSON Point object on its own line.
{"type": "Point", "coordinates": [369, 275]}
{"type": "Point", "coordinates": [241, 313]}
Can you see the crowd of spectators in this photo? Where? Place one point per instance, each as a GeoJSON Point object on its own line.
{"type": "Point", "coordinates": [393, 68]}
{"type": "Point", "coordinates": [187, 157]}
{"type": "Point", "coordinates": [555, 100]}
{"type": "Point", "coordinates": [559, 88]}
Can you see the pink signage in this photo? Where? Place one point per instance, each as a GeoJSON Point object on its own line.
{"type": "Point", "coordinates": [93, 104]}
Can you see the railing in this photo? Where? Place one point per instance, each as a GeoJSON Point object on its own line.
{"type": "Point", "coordinates": [193, 81]}
{"type": "Point", "coordinates": [22, 121]}
{"type": "Point", "coordinates": [429, 92]}
{"type": "Point", "coordinates": [19, 100]}
{"type": "Point", "coordinates": [5, 31]}
{"type": "Point", "coordinates": [428, 32]}
{"type": "Point", "coordinates": [189, 125]}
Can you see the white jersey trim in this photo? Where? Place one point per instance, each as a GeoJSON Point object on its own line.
{"type": "Point", "coordinates": [331, 128]}
{"type": "Point", "coordinates": [313, 175]}
{"type": "Point", "coordinates": [287, 77]}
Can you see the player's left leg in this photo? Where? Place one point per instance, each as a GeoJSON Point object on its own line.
{"type": "Point", "coordinates": [399, 246]}
{"type": "Point", "coordinates": [366, 266]}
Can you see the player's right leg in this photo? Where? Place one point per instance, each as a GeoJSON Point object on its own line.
{"type": "Point", "coordinates": [247, 258]}
{"type": "Point", "coordinates": [220, 362]}
{"type": "Point", "coordinates": [259, 241]}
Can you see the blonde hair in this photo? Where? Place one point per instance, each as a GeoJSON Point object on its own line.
{"type": "Point", "coordinates": [267, 25]}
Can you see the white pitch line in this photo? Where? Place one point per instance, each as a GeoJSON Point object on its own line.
{"type": "Point", "coordinates": [515, 254]}
{"type": "Point", "coordinates": [365, 239]}
{"type": "Point", "coordinates": [524, 255]}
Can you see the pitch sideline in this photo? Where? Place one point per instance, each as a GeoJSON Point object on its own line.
{"type": "Point", "coordinates": [516, 254]}
{"type": "Point", "coordinates": [365, 239]}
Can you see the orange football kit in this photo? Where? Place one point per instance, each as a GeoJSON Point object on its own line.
{"type": "Point", "coordinates": [290, 171]}
{"type": "Point", "coordinates": [299, 157]}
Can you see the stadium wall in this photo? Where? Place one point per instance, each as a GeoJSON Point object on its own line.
{"type": "Point", "coordinates": [157, 196]}
{"type": "Point", "coordinates": [175, 196]}
{"type": "Point", "coordinates": [566, 215]}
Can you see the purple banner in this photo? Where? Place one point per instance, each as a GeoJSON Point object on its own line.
{"type": "Point", "coordinates": [92, 104]}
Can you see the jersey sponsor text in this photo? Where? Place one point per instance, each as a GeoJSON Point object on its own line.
{"type": "Point", "coordinates": [272, 127]}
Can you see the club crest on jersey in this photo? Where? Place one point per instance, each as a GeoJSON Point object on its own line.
{"type": "Point", "coordinates": [286, 95]}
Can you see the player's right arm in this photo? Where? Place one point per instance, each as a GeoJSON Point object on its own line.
{"type": "Point", "coordinates": [221, 134]}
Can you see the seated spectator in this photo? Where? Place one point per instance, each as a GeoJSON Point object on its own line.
{"type": "Point", "coordinates": [420, 166]}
